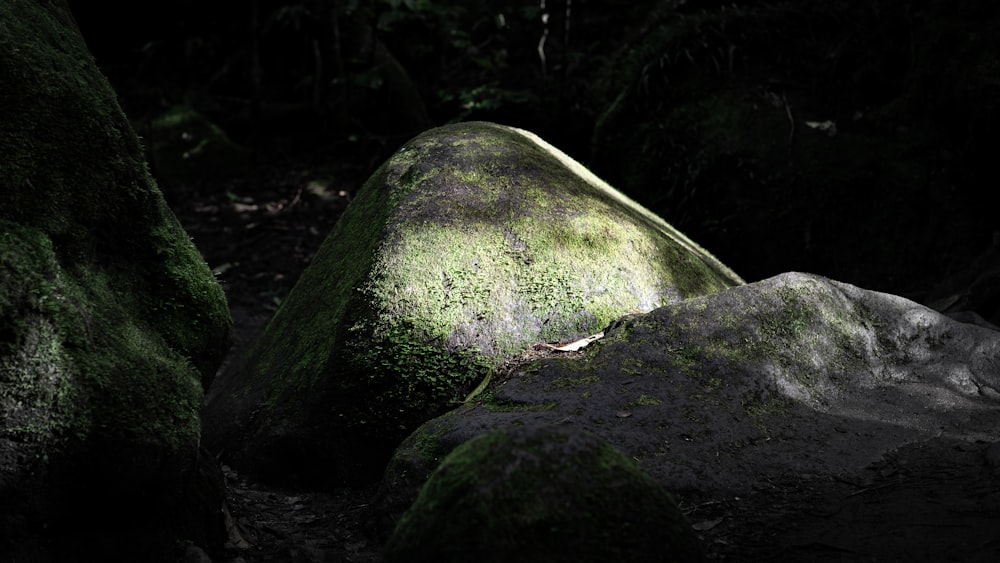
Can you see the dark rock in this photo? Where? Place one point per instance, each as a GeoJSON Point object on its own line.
{"type": "Point", "coordinates": [541, 493]}
{"type": "Point", "coordinates": [110, 320]}
{"type": "Point", "coordinates": [721, 394]}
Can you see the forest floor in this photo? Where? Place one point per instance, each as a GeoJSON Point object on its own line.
{"type": "Point", "coordinates": [938, 501]}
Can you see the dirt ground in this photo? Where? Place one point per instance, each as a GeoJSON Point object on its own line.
{"type": "Point", "coordinates": [937, 501]}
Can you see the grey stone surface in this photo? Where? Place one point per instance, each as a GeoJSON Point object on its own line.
{"type": "Point", "coordinates": [717, 395]}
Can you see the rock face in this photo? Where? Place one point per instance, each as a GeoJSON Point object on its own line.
{"type": "Point", "coordinates": [541, 493]}
{"type": "Point", "coordinates": [110, 321]}
{"type": "Point", "coordinates": [720, 394]}
{"type": "Point", "coordinates": [471, 243]}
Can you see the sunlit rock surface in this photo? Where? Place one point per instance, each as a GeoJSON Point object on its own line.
{"type": "Point", "coordinates": [468, 245]}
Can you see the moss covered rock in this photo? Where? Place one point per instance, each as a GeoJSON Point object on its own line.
{"type": "Point", "coordinates": [719, 395]}
{"type": "Point", "coordinates": [111, 323]}
{"type": "Point", "coordinates": [541, 493]}
{"type": "Point", "coordinates": [185, 145]}
{"type": "Point", "coordinates": [469, 244]}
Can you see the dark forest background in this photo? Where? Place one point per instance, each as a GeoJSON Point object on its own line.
{"type": "Point", "coordinates": [315, 71]}
{"type": "Point", "coordinates": [845, 138]}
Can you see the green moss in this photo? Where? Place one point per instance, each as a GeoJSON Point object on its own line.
{"type": "Point", "coordinates": [436, 276]}
{"type": "Point", "coordinates": [181, 299]}
{"type": "Point", "coordinates": [519, 275]}
{"type": "Point", "coordinates": [502, 405]}
{"type": "Point", "coordinates": [766, 408]}
{"type": "Point", "coordinates": [632, 366]}
{"type": "Point", "coordinates": [544, 494]}
{"type": "Point", "coordinates": [421, 452]}
{"type": "Point", "coordinates": [76, 364]}
{"type": "Point", "coordinates": [36, 389]}
{"type": "Point", "coordinates": [297, 358]}
{"type": "Point", "coordinates": [421, 376]}
{"type": "Point", "coordinates": [469, 244]}
{"type": "Point", "coordinates": [93, 197]}
{"type": "Point", "coordinates": [687, 359]}
{"type": "Point", "coordinates": [50, 76]}
{"type": "Point", "coordinates": [570, 382]}
{"type": "Point", "coordinates": [796, 314]}
{"type": "Point", "coordinates": [427, 444]}
{"type": "Point", "coordinates": [807, 335]}
{"type": "Point", "coordinates": [644, 400]}
{"type": "Point", "coordinates": [110, 320]}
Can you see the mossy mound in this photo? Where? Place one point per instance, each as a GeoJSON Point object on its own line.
{"type": "Point", "coordinates": [471, 243]}
{"type": "Point", "coordinates": [185, 145]}
{"type": "Point", "coordinates": [721, 394]}
{"type": "Point", "coordinates": [110, 320]}
{"type": "Point", "coordinates": [541, 493]}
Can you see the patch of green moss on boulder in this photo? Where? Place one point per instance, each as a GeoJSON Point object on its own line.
{"type": "Point", "coordinates": [541, 493]}
{"type": "Point", "coordinates": [111, 323]}
{"type": "Point", "coordinates": [469, 244]}
{"type": "Point", "coordinates": [76, 362]}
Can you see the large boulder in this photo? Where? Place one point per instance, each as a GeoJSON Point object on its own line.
{"type": "Point", "coordinates": [796, 376]}
{"type": "Point", "coordinates": [469, 244]}
{"type": "Point", "coordinates": [111, 323]}
{"type": "Point", "coordinates": [542, 493]}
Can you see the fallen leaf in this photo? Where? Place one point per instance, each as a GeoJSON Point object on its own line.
{"type": "Point", "coordinates": [707, 524]}
{"type": "Point", "coordinates": [573, 346]}
{"type": "Point", "coordinates": [828, 127]}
